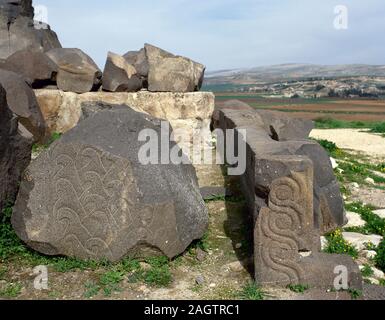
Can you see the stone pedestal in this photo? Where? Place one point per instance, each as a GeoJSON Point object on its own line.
{"type": "Point", "coordinates": [190, 112]}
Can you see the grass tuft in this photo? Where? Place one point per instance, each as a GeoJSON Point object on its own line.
{"type": "Point", "coordinates": [337, 244]}
{"type": "Point", "coordinates": [298, 288]}
{"type": "Point", "coordinates": [251, 291]}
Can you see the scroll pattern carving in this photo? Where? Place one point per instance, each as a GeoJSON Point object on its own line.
{"type": "Point", "coordinates": [93, 208]}
{"type": "Point", "coordinates": [281, 229]}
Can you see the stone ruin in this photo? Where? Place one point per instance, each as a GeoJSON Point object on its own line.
{"type": "Point", "coordinates": [87, 196]}
{"type": "Point", "coordinates": [122, 207]}
{"type": "Point", "coordinates": [292, 196]}
{"type": "Point", "coordinates": [18, 30]}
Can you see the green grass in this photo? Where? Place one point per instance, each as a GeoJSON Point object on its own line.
{"type": "Point", "coordinates": [202, 244]}
{"type": "Point", "coordinates": [159, 275]}
{"type": "Point", "coordinates": [13, 250]}
{"type": "Point", "coordinates": [380, 257]}
{"type": "Point", "coordinates": [337, 244]}
{"type": "Point", "coordinates": [330, 123]}
{"type": "Point", "coordinates": [11, 290]}
{"type": "Point", "coordinates": [3, 272]}
{"type": "Point", "coordinates": [225, 198]}
{"type": "Point", "coordinates": [39, 147]}
{"type": "Point", "coordinates": [374, 224]}
{"type": "Point", "coordinates": [110, 280]}
{"type": "Point", "coordinates": [330, 147]}
{"type": "Point", "coordinates": [298, 288]}
{"type": "Point", "coordinates": [379, 128]}
{"type": "Point", "coordinates": [10, 244]}
{"type": "Point", "coordinates": [367, 271]}
{"type": "Point", "coordinates": [251, 291]}
{"type": "Point", "coordinates": [353, 168]}
{"type": "Point", "coordinates": [355, 294]}
{"type": "Point", "coordinates": [92, 289]}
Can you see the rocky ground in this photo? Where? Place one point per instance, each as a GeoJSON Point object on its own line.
{"type": "Point", "coordinates": [220, 265]}
{"type": "Point", "coordinates": [359, 162]}
{"type": "Point", "coordinates": [357, 140]}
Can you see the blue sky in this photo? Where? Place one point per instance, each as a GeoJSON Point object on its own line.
{"type": "Point", "coordinates": [224, 34]}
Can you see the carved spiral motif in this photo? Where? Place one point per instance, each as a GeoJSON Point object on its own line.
{"type": "Point", "coordinates": [281, 225]}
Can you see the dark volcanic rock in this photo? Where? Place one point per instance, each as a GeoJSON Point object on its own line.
{"type": "Point", "coordinates": [273, 139]}
{"type": "Point", "coordinates": [15, 8]}
{"type": "Point", "coordinates": [171, 73]}
{"type": "Point", "coordinates": [293, 195]}
{"type": "Point", "coordinates": [236, 105]}
{"type": "Point", "coordinates": [22, 102]}
{"type": "Point", "coordinates": [15, 152]}
{"type": "Point", "coordinates": [88, 196]}
{"type": "Point", "coordinates": [35, 66]}
{"type": "Point", "coordinates": [284, 128]}
{"type": "Point", "coordinates": [18, 30]}
{"type": "Point", "coordinates": [139, 60]}
{"type": "Point", "coordinates": [120, 76]}
{"type": "Point", "coordinates": [77, 72]}
{"type": "Point", "coordinates": [209, 193]}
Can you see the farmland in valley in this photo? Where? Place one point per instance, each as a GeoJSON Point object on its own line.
{"type": "Point", "coordinates": [363, 110]}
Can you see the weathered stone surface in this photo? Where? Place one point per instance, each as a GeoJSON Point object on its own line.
{"type": "Point", "coordinates": [185, 111]}
{"type": "Point", "coordinates": [77, 72]}
{"type": "Point", "coordinates": [294, 198]}
{"type": "Point", "coordinates": [169, 73]}
{"type": "Point", "coordinates": [139, 60]}
{"type": "Point", "coordinates": [120, 76]}
{"type": "Point", "coordinates": [22, 102]}
{"type": "Point", "coordinates": [279, 126]}
{"type": "Point", "coordinates": [359, 240]}
{"type": "Point", "coordinates": [322, 295]}
{"type": "Point", "coordinates": [284, 128]}
{"type": "Point", "coordinates": [209, 193]}
{"type": "Point", "coordinates": [15, 8]}
{"type": "Point", "coordinates": [373, 292]}
{"type": "Point", "coordinates": [329, 211]}
{"type": "Point", "coordinates": [19, 32]}
{"type": "Point", "coordinates": [235, 104]}
{"type": "Point", "coordinates": [15, 152]}
{"type": "Point", "coordinates": [88, 196]}
{"type": "Point", "coordinates": [354, 220]}
{"type": "Point", "coordinates": [380, 213]}
{"type": "Point", "coordinates": [35, 66]}
{"type": "Point", "coordinates": [287, 246]}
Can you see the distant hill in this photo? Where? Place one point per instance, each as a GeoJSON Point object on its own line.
{"type": "Point", "coordinates": [302, 80]}
{"type": "Point", "coordinates": [287, 72]}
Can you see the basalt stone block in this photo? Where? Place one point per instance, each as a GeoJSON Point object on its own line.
{"type": "Point", "coordinates": [120, 76]}
{"type": "Point", "coordinates": [15, 152]}
{"type": "Point", "coordinates": [329, 212]}
{"type": "Point", "coordinates": [15, 8]}
{"type": "Point", "coordinates": [18, 30]}
{"type": "Point", "coordinates": [236, 105]}
{"type": "Point", "coordinates": [77, 72]}
{"type": "Point", "coordinates": [22, 102]}
{"type": "Point", "coordinates": [284, 128]}
{"type": "Point", "coordinates": [89, 196]}
{"type": "Point", "coordinates": [168, 72]}
{"type": "Point", "coordinates": [35, 66]}
{"type": "Point", "coordinates": [139, 60]}
{"type": "Point", "coordinates": [286, 244]}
